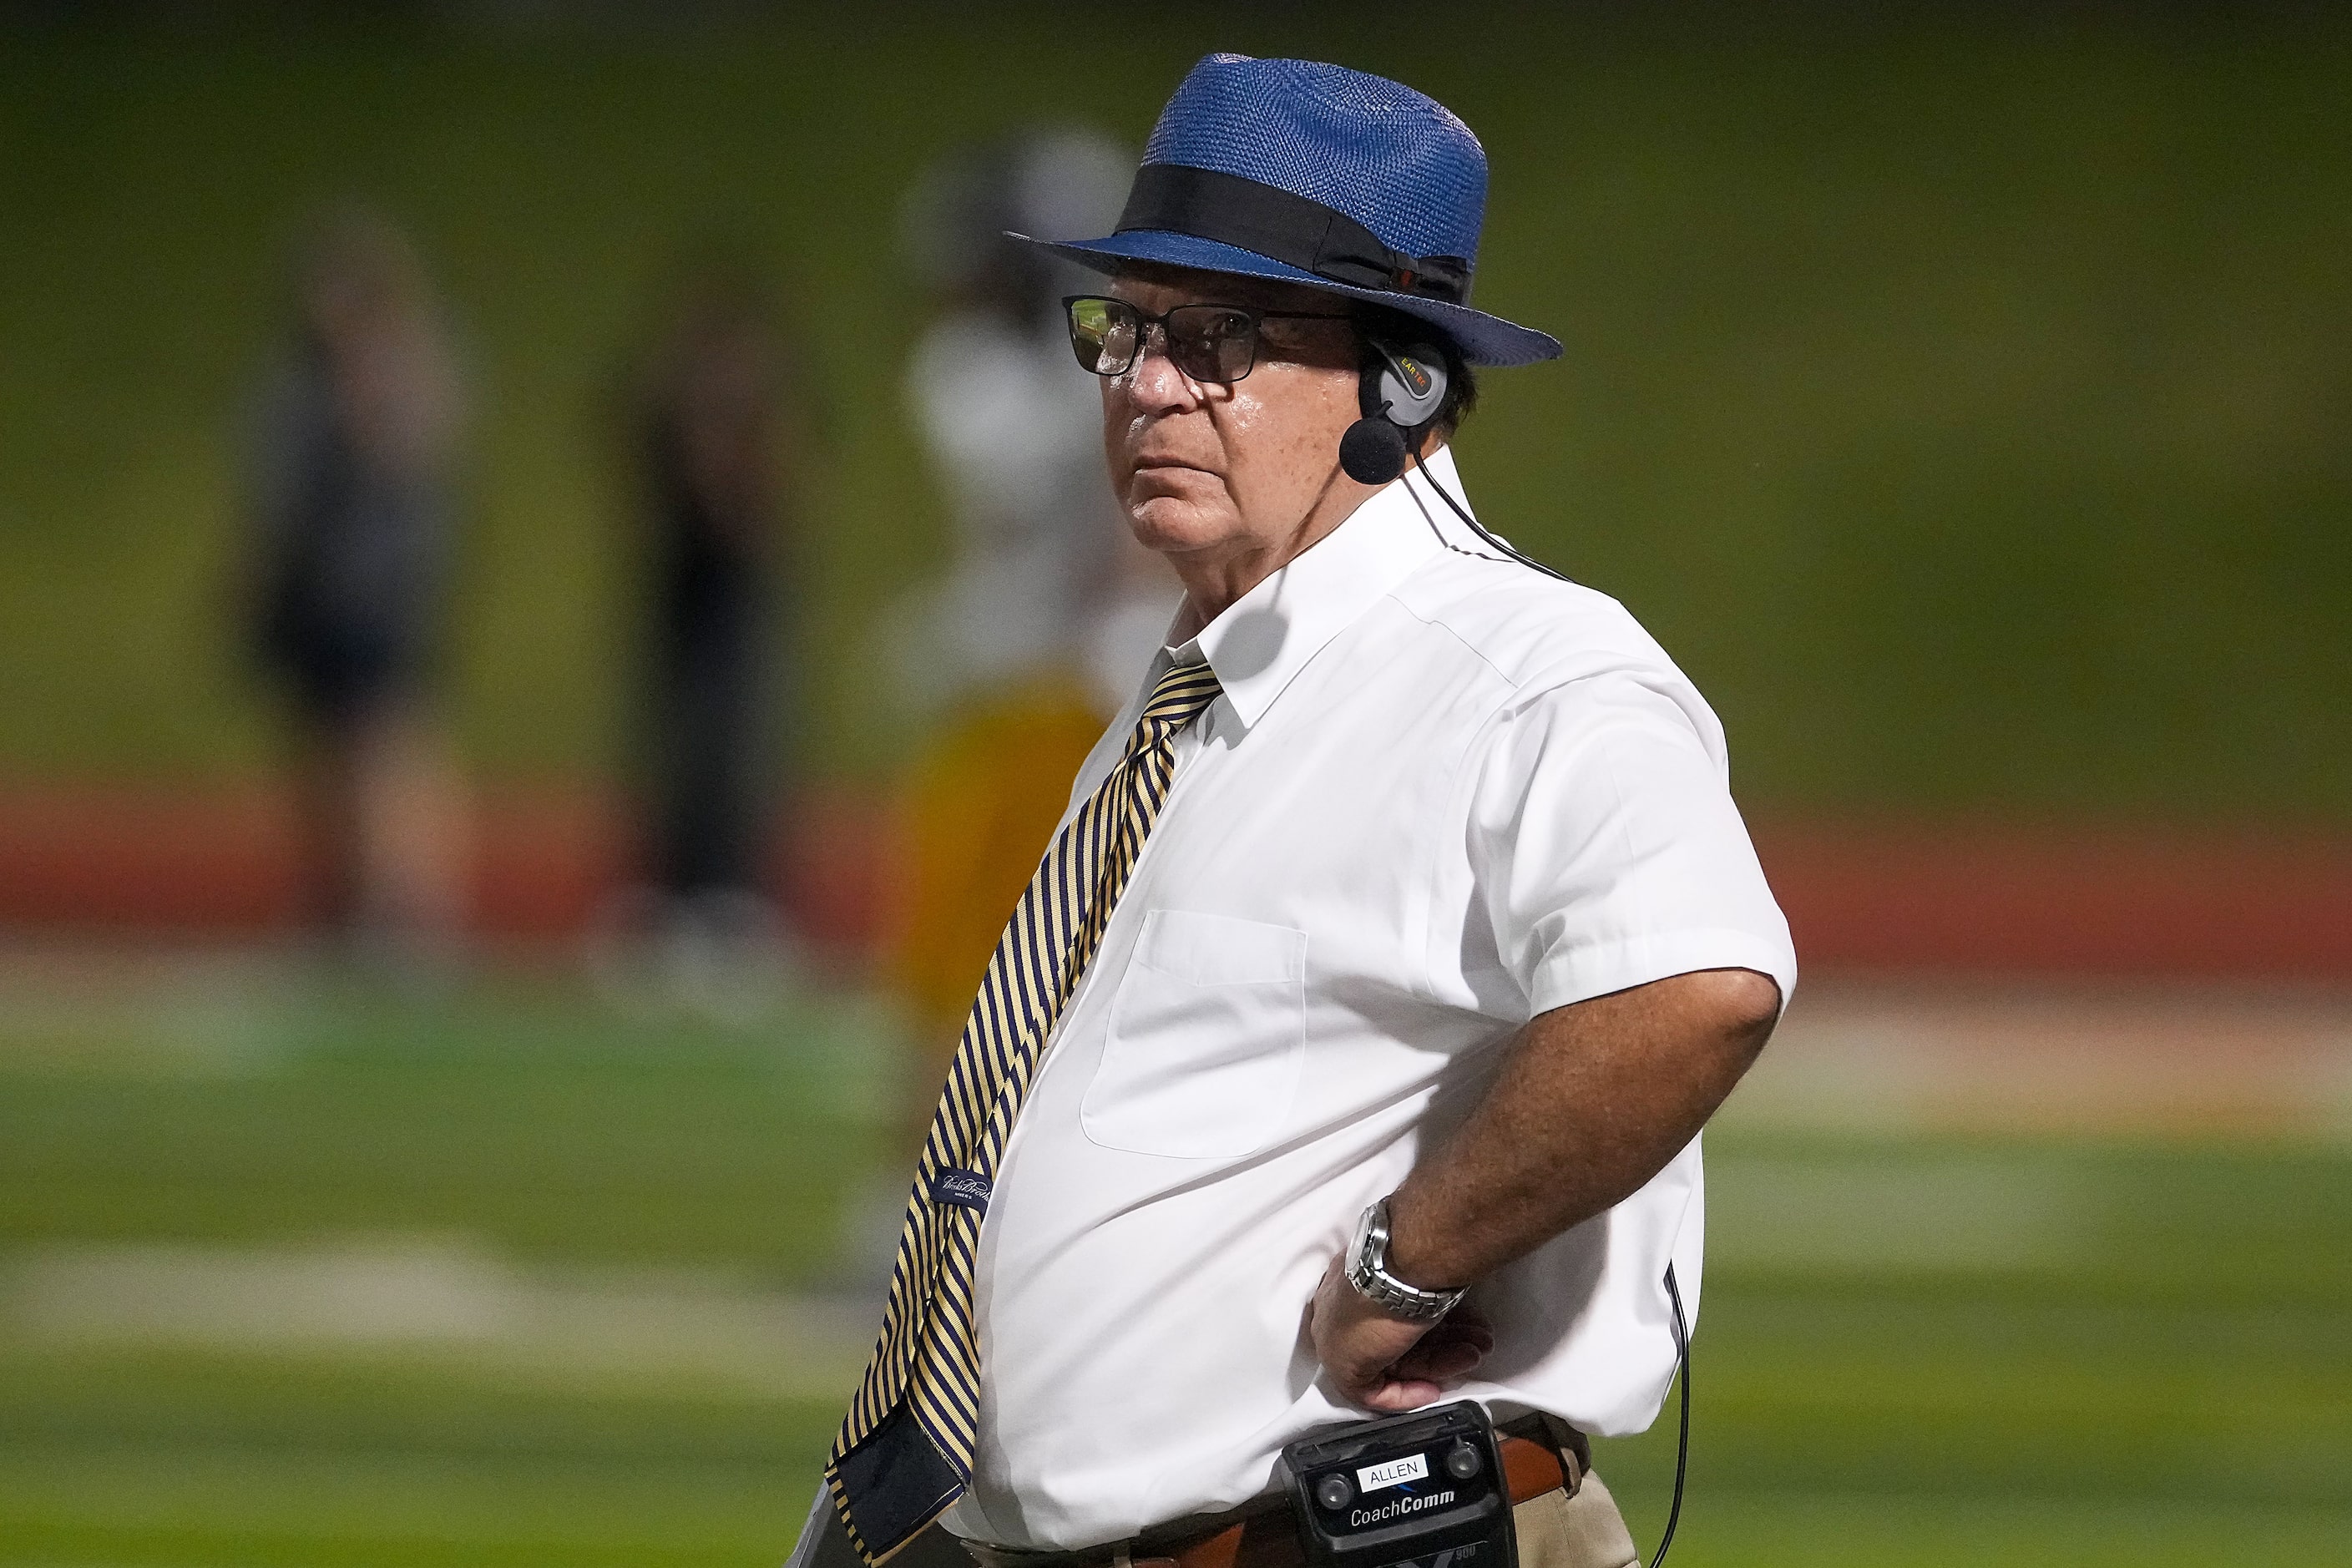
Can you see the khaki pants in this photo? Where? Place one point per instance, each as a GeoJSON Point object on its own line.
{"type": "Point", "coordinates": [1555, 1531]}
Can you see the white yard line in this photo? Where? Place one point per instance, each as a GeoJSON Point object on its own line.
{"type": "Point", "coordinates": [2152, 1061]}
{"type": "Point", "coordinates": [441, 1301]}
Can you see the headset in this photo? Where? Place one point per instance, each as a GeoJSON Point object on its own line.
{"type": "Point", "coordinates": [1403, 388]}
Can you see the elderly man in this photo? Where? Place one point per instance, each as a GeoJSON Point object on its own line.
{"type": "Point", "coordinates": [1349, 1049]}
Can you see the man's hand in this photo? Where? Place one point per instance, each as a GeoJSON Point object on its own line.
{"type": "Point", "coordinates": [1387, 1363]}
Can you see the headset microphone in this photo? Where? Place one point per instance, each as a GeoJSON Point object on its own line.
{"type": "Point", "coordinates": [1372, 451]}
{"type": "Point", "coordinates": [1402, 389]}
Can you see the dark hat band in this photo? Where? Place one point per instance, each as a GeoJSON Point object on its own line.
{"type": "Point", "coordinates": [1288, 227]}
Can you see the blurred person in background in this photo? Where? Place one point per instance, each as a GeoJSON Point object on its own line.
{"type": "Point", "coordinates": [1022, 650]}
{"type": "Point", "coordinates": [708, 414]}
{"type": "Point", "coordinates": [355, 514]}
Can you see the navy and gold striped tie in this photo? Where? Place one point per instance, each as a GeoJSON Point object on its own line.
{"type": "Point", "coordinates": [905, 1451]}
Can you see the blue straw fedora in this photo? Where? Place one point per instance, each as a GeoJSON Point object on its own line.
{"type": "Point", "coordinates": [1321, 176]}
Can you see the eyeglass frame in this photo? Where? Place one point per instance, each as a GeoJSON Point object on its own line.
{"type": "Point", "coordinates": [1145, 322]}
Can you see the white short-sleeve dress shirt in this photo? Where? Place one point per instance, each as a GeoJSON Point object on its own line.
{"type": "Point", "coordinates": [1441, 793]}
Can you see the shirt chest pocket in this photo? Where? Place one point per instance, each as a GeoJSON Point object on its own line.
{"type": "Point", "coordinates": [1207, 1034]}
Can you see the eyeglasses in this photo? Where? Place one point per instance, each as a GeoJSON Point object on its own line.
{"type": "Point", "coordinates": [1207, 342]}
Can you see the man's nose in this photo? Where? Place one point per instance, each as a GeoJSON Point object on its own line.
{"type": "Point", "coordinates": [1153, 381]}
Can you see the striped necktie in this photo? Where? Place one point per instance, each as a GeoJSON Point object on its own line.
{"type": "Point", "coordinates": [905, 1451]}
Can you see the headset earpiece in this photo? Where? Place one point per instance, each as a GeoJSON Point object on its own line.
{"type": "Point", "coordinates": [1402, 389]}
{"type": "Point", "coordinates": [1400, 394]}
{"type": "Point", "coordinates": [1409, 383]}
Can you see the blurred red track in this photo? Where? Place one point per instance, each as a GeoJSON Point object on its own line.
{"type": "Point", "coordinates": [227, 863]}
{"type": "Point", "coordinates": [2084, 898]}
{"type": "Point", "coordinates": [1878, 896]}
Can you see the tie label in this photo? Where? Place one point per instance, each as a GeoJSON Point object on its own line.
{"type": "Point", "coordinates": [965, 1189]}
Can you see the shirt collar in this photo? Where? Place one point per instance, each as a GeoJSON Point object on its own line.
{"type": "Point", "coordinates": [1268, 634]}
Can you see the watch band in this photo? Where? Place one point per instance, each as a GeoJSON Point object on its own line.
{"type": "Point", "coordinates": [1368, 1272]}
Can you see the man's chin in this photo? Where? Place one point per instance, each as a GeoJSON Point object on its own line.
{"type": "Point", "coordinates": [1175, 526]}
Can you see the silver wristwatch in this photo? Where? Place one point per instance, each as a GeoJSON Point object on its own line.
{"type": "Point", "coordinates": [1368, 1258]}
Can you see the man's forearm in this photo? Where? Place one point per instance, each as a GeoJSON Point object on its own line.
{"type": "Point", "coordinates": [1591, 1101]}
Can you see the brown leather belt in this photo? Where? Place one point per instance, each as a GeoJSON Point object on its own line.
{"type": "Point", "coordinates": [1261, 1535]}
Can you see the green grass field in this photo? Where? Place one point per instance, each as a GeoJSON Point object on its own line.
{"type": "Point", "coordinates": [300, 1274]}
